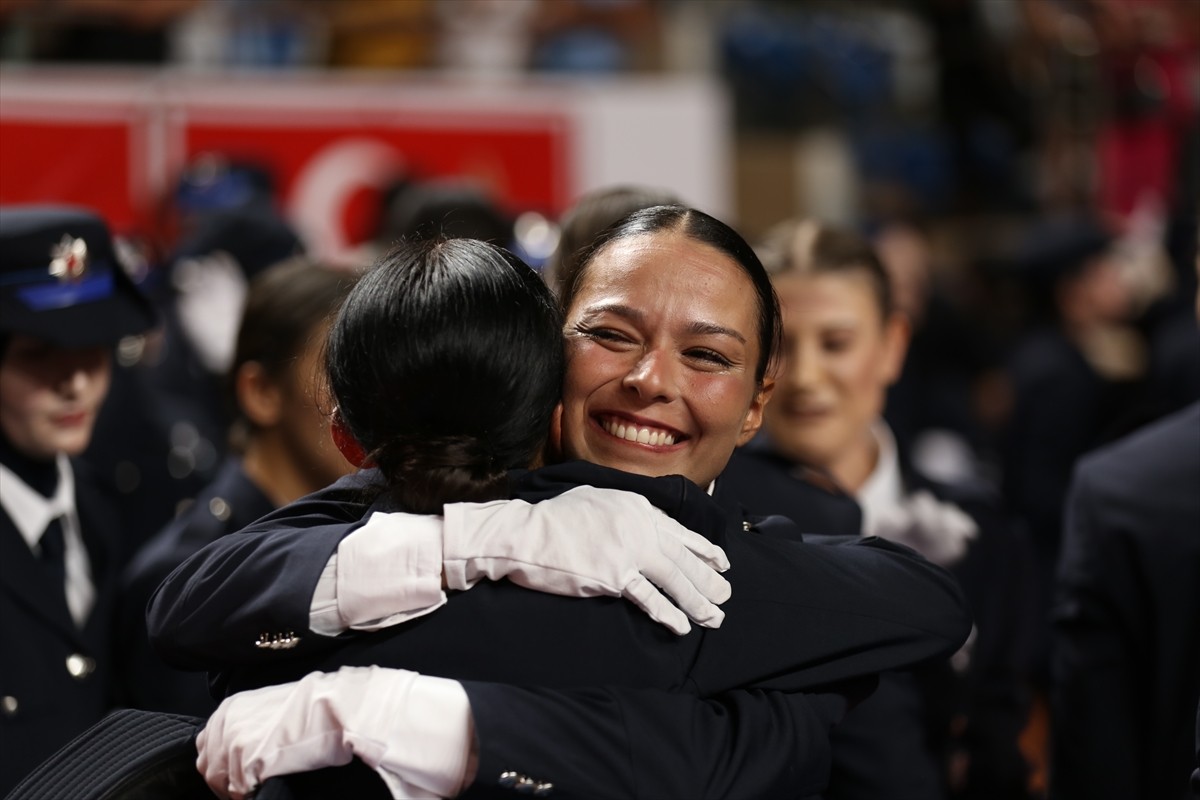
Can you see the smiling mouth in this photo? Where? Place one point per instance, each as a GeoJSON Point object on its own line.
{"type": "Point", "coordinates": [623, 429]}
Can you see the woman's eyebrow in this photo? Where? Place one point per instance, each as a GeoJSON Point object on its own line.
{"type": "Point", "coordinates": [713, 329]}
{"type": "Point", "coordinates": [617, 309]}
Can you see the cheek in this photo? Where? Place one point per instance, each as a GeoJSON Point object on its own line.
{"type": "Point", "coordinates": [719, 402]}
{"type": "Point", "coordinates": [588, 368]}
{"type": "Point", "coordinates": [20, 400]}
{"type": "Point", "coordinates": [102, 381]}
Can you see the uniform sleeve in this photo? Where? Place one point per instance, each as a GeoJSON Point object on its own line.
{"type": "Point", "coordinates": [1096, 715]}
{"type": "Point", "coordinates": [807, 614]}
{"type": "Point", "coordinates": [610, 743]}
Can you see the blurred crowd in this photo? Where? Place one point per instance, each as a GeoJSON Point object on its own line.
{"type": "Point", "coordinates": [1027, 172]}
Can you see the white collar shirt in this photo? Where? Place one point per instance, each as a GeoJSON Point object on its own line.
{"type": "Point", "coordinates": [31, 513]}
{"type": "Point", "coordinates": [883, 490]}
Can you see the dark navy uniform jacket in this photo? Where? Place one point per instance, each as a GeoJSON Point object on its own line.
{"type": "Point", "coordinates": [56, 679]}
{"type": "Point", "coordinates": [802, 617]}
{"type": "Point", "coordinates": [231, 502]}
{"type": "Point", "coordinates": [1126, 663]}
{"type": "Point", "coordinates": [898, 742]}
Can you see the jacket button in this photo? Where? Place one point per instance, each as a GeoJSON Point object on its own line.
{"type": "Point", "coordinates": [543, 789]}
{"type": "Point", "coordinates": [80, 666]}
{"type": "Point", "coordinates": [9, 705]}
{"type": "Point", "coordinates": [508, 779]}
{"type": "Point", "coordinates": [220, 509]}
{"type": "Point", "coordinates": [525, 785]}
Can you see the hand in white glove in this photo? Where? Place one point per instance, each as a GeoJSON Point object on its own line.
{"type": "Point", "coordinates": [414, 730]}
{"type": "Point", "coordinates": [590, 542]}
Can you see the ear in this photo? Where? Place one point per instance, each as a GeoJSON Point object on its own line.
{"type": "Point", "coordinates": [552, 450]}
{"type": "Point", "coordinates": [258, 396]}
{"type": "Point", "coordinates": [754, 416]}
{"type": "Point", "coordinates": [345, 442]}
{"type": "Point", "coordinates": [897, 334]}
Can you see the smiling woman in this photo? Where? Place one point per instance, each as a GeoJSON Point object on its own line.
{"type": "Point", "coordinates": [670, 328]}
{"type": "Point", "coordinates": [956, 724]}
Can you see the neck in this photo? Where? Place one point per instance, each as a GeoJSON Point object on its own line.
{"type": "Point", "coordinates": [39, 474]}
{"type": "Point", "coordinates": [266, 462]}
{"type": "Point", "coordinates": [857, 464]}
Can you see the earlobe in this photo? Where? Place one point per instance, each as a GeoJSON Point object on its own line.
{"type": "Point", "coordinates": [257, 395]}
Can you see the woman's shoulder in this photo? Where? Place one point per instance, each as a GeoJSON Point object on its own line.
{"type": "Point", "coordinates": [673, 494]}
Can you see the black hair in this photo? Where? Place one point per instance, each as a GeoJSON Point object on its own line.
{"type": "Point", "coordinates": [702, 228]}
{"type": "Point", "coordinates": [284, 306]}
{"type": "Point", "coordinates": [446, 362]}
{"type": "Point", "coordinates": [808, 247]}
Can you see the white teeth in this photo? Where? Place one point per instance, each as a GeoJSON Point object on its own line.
{"type": "Point", "coordinates": [632, 433]}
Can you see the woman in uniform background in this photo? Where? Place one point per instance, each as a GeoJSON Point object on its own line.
{"type": "Point", "coordinates": [65, 302]}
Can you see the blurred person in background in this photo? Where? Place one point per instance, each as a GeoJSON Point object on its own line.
{"type": "Point", "coordinates": [930, 407]}
{"type": "Point", "coordinates": [951, 729]}
{"type": "Point", "coordinates": [162, 437]}
{"type": "Point", "coordinates": [594, 36]}
{"type": "Point", "coordinates": [411, 207]}
{"type": "Point", "coordinates": [1077, 377]}
{"type": "Point", "coordinates": [105, 31]}
{"type": "Point", "coordinates": [381, 34]}
{"type": "Point", "coordinates": [281, 450]}
{"type": "Point", "coordinates": [65, 302]}
{"type": "Point", "coordinates": [1126, 657]}
{"type": "Point", "coordinates": [1125, 664]}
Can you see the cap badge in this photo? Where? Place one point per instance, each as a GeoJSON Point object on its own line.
{"type": "Point", "coordinates": [70, 258]}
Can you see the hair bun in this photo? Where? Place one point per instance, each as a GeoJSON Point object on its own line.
{"type": "Point", "coordinates": [427, 473]}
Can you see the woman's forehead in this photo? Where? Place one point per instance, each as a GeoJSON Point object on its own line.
{"type": "Point", "coordinates": [664, 259]}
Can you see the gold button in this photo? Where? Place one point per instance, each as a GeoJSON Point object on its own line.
{"type": "Point", "coordinates": [9, 705]}
{"type": "Point", "coordinates": [80, 666]}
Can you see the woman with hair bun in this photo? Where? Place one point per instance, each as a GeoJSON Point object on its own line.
{"type": "Point", "coordinates": [671, 328]}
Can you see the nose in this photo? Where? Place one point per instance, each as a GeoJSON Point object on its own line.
{"type": "Point", "coordinates": [653, 377]}
{"type": "Point", "coordinates": [803, 367]}
{"type": "Point", "coordinates": [79, 372]}
{"type": "Point", "coordinates": [75, 381]}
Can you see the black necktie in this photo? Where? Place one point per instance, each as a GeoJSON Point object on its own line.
{"type": "Point", "coordinates": [53, 551]}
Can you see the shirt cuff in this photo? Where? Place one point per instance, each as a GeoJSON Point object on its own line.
{"type": "Point", "coordinates": [388, 571]}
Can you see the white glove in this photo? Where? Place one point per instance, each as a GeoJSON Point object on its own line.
{"type": "Point", "coordinates": [414, 730]}
{"type": "Point", "coordinates": [590, 542]}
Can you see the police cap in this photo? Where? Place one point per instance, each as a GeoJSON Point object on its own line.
{"type": "Point", "coordinates": [60, 280]}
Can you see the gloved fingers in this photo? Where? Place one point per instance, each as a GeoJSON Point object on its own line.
{"type": "Point", "coordinates": [708, 582]}
{"type": "Point", "coordinates": [702, 548]}
{"type": "Point", "coordinates": [645, 596]}
{"type": "Point", "coordinates": [209, 760]}
{"type": "Point", "coordinates": [215, 751]}
{"type": "Point", "coordinates": [681, 581]}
